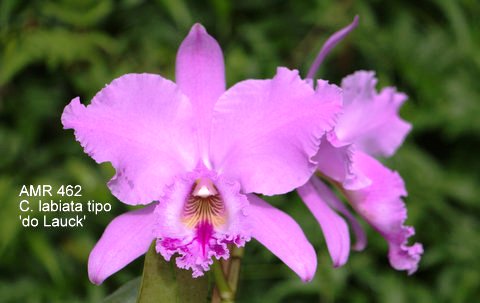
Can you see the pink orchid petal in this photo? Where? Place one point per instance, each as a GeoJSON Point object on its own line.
{"type": "Point", "coordinates": [126, 238]}
{"type": "Point", "coordinates": [200, 74]}
{"type": "Point", "coordinates": [141, 123]}
{"type": "Point", "coordinates": [278, 232]}
{"type": "Point", "coordinates": [265, 132]}
{"type": "Point", "coordinates": [336, 163]}
{"type": "Point", "coordinates": [334, 202]}
{"type": "Point", "coordinates": [381, 206]}
{"type": "Point", "coordinates": [332, 41]}
{"type": "Point", "coordinates": [370, 120]}
{"type": "Point", "coordinates": [335, 229]}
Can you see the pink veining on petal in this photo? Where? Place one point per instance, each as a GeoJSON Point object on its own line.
{"type": "Point", "coordinates": [381, 206]}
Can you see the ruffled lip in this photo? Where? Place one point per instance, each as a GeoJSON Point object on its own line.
{"type": "Point", "coordinates": [199, 233]}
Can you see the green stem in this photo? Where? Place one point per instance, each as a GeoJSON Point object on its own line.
{"type": "Point", "coordinates": [236, 255]}
{"type": "Point", "coordinates": [226, 274]}
{"type": "Point", "coordinates": [225, 292]}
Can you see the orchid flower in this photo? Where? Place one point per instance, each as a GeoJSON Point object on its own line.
{"type": "Point", "coordinates": [195, 154]}
{"type": "Point", "coordinates": [368, 126]}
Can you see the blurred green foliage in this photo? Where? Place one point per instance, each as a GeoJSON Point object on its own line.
{"type": "Point", "coordinates": [52, 51]}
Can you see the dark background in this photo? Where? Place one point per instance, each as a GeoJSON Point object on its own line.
{"type": "Point", "coordinates": [54, 51]}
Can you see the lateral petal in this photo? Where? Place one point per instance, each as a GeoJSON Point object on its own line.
{"type": "Point", "coordinates": [333, 226]}
{"type": "Point", "coordinates": [265, 132]}
{"type": "Point", "coordinates": [278, 232]}
{"type": "Point", "coordinates": [126, 238]}
{"type": "Point", "coordinates": [371, 120]}
{"type": "Point", "coordinates": [381, 206]}
{"type": "Point", "coordinates": [200, 74]}
{"type": "Point", "coordinates": [141, 123]}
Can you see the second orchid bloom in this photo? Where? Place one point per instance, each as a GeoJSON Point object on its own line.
{"type": "Point", "coordinates": [196, 154]}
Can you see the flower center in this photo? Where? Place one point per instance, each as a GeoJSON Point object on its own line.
{"type": "Point", "coordinates": [204, 205]}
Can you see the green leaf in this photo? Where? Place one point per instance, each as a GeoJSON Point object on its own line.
{"type": "Point", "coordinates": [53, 47]}
{"type": "Point", "coordinates": [78, 13]}
{"type": "Point", "coordinates": [164, 282]}
{"type": "Point", "coordinates": [127, 293]}
{"type": "Point", "coordinates": [46, 255]}
{"type": "Point", "coordinates": [178, 10]}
